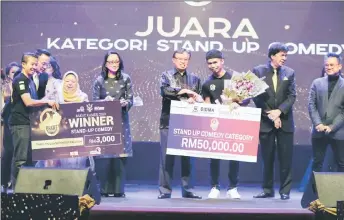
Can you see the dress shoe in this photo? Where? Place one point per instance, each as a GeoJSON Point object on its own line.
{"type": "Point", "coordinates": [263, 195]}
{"type": "Point", "coordinates": [104, 194]}
{"type": "Point", "coordinates": [164, 196]}
{"type": "Point", "coordinates": [116, 195]}
{"type": "Point", "coordinates": [119, 195]}
{"type": "Point", "coordinates": [285, 196]}
{"type": "Point", "coordinates": [191, 195]}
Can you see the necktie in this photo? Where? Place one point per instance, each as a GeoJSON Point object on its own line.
{"type": "Point", "coordinates": [33, 91]}
{"type": "Point", "coordinates": [274, 79]}
{"type": "Point", "coordinates": [36, 80]}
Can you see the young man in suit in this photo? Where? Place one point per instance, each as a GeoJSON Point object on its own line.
{"type": "Point", "coordinates": [277, 122]}
{"type": "Point", "coordinates": [40, 78]}
{"type": "Point", "coordinates": [325, 106]}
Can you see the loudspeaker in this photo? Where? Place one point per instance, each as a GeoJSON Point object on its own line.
{"type": "Point", "coordinates": [309, 194]}
{"type": "Point", "coordinates": [328, 187]}
{"type": "Point", "coordinates": [57, 181]}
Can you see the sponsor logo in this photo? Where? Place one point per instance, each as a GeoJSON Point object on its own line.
{"type": "Point", "coordinates": [99, 108]}
{"type": "Point", "coordinates": [89, 107]}
{"type": "Point", "coordinates": [74, 153]}
{"type": "Point", "coordinates": [50, 122]}
{"type": "Point", "coordinates": [81, 109]}
{"type": "Point", "coordinates": [195, 109]}
{"type": "Point", "coordinates": [207, 110]}
{"type": "Point", "coordinates": [214, 124]}
{"type": "Point", "coordinates": [96, 151]}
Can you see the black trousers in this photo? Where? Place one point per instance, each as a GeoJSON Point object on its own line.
{"type": "Point", "coordinates": [166, 168]}
{"type": "Point", "coordinates": [233, 173]}
{"type": "Point", "coordinates": [110, 173]}
{"type": "Point", "coordinates": [283, 142]}
{"type": "Point", "coordinates": [22, 154]}
{"type": "Point", "coordinates": [7, 155]}
{"type": "Point", "coordinates": [319, 146]}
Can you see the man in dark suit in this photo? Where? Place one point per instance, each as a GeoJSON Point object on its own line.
{"type": "Point", "coordinates": [177, 84]}
{"type": "Point", "coordinates": [277, 123]}
{"type": "Point", "coordinates": [40, 78]}
{"type": "Point", "coordinates": [326, 104]}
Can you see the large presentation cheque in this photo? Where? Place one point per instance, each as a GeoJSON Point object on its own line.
{"type": "Point", "coordinates": [214, 131]}
{"type": "Point", "coordinates": [77, 130]}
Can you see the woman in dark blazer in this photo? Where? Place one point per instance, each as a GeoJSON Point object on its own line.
{"type": "Point", "coordinates": [114, 84]}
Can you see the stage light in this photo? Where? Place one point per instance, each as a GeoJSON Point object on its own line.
{"type": "Point", "coordinates": [197, 4]}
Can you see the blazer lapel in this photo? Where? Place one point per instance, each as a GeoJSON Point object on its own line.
{"type": "Point", "coordinates": [335, 89]}
{"type": "Point", "coordinates": [325, 89]}
{"type": "Point", "coordinates": [280, 78]}
{"type": "Point", "coordinates": [268, 80]}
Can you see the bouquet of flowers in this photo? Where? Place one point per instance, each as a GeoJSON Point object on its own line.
{"type": "Point", "coordinates": [242, 86]}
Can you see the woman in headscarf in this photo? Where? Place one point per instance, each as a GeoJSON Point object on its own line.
{"type": "Point", "coordinates": [114, 84]}
{"type": "Point", "coordinates": [69, 92]}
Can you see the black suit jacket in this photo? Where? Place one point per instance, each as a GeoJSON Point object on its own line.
{"type": "Point", "coordinates": [283, 99]}
{"type": "Point", "coordinates": [43, 80]}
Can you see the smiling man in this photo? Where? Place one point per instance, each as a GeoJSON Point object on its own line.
{"type": "Point", "coordinates": [179, 84]}
{"type": "Point", "coordinates": [24, 99]}
{"type": "Point", "coordinates": [212, 91]}
{"type": "Point", "coordinates": [325, 107]}
{"type": "Point", "coordinates": [40, 77]}
{"type": "Point", "coordinates": [277, 122]}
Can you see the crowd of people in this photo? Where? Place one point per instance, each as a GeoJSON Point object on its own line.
{"type": "Point", "coordinates": [37, 81]}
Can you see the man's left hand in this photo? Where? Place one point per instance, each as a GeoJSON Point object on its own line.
{"type": "Point", "coordinates": [274, 114]}
{"type": "Point", "coordinates": [327, 129]}
{"type": "Point", "coordinates": [278, 123]}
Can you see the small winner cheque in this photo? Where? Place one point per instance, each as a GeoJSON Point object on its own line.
{"type": "Point", "coordinates": [213, 131]}
{"type": "Point", "coordinates": [77, 130]}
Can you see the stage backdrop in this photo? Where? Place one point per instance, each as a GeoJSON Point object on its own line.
{"type": "Point", "coordinates": [146, 33]}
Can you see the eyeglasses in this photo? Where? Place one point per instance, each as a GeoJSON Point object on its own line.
{"type": "Point", "coordinates": [331, 65]}
{"type": "Point", "coordinates": [182, 59]}
{"type": "Point", "coordinates": [46, 65]}
{"type": "Point", "coordinates": [113, 62]}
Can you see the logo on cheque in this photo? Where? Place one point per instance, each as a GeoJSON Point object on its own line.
{"type": "Point", "coordinates": [49, 122]}
{"type": "Point", "coordinates": [214, 124]}
{"type": "Point", "coordinates": [89, 107]}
